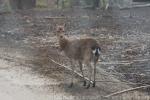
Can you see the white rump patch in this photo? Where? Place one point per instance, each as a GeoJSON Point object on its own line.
{"type": "Point", "coordinates": [98, 51]}
{"type": "Point", "coordinates": [94, 51]}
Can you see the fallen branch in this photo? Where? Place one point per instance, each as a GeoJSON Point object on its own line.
{"type": "Point", "coordinates": [127, 90]}
{"type": "Point", "coordinates": [123, 62]}
{"type": "Point", "coordinates": [136, 6]}
{"type": "Point", "coordinates": [70, 70]}
{"type": "Point", "coordinates": [55, 17]}
{"type": "Point", "coordinates": [115, 63]}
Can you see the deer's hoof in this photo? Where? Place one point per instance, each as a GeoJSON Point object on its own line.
{"type": "Point", "coordinates": [84, 83]}
{"type": "Point", "coordinates": [94, 84]}
{"type": "Point", "coordinates": [88, 86]}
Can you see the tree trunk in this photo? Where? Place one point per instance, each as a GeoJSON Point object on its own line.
{"type": "Point", "coordinates": [96, 3]}
{"type": "Point", "coordinates": [22, 4]}
{"type": "Point", "coordinates": [19, 4]}
{"type": "Point", "coordinates": [57, 3]}
{"type": "Point", "coordinates": [28, 4]}
{"type": "Point", "coordinates": [4, 6]}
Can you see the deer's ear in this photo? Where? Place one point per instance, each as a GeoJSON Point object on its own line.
{"type": "Point", "coordinates": [64, 25]}
{"type": "Point", "coordinates": [56, 24]}
{"type": "Point", "coordinates": [56, 27]}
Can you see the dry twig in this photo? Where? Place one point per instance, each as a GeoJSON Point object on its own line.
{"type": "Point", "coordinates": [70, 69]}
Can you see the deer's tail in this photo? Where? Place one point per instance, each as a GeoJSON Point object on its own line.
{"type": "Point", "coordinates": [96, 51]}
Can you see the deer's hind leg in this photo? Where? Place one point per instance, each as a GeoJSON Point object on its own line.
{"type": "Point", "coordinates": [72, 74]}
{"type": "Point", "coordinates": [90, 72]}
{"type": "Point", "coordinates": [81, 69]}
{"type": "Point", "coordinates": [95, 62]}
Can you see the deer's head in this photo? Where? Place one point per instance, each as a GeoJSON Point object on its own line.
{"type": "Point", "coordinates": [60, 30]}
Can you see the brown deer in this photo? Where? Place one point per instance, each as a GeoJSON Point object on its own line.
{"type": "Point", "coordinates": [84, 51]}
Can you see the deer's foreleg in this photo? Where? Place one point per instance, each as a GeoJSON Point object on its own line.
{"type": "Point", "coordinates": [94, 82]}
{"type": "Point", "coordinates": [81, 69]}
{"type": "Point", "coordinates": [90, 72]}
{"type": "Point", "coordinates": [72, 74]}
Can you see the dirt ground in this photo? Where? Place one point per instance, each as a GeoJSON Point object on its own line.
{"type": "Point", "coordinates": [28, 41]}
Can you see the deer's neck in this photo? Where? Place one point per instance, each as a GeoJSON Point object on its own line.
{"type": "Point", "coordinates": [63, 43]}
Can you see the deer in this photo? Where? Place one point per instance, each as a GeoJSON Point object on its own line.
{"type": "Point", "coordinates": [85, 51]}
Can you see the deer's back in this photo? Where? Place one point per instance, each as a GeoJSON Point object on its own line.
{"type": "Point", "coordinates": [80, 49]}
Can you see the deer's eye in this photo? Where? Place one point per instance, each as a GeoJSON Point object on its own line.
{"type": "Point", "coordinates": [61, 36]}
